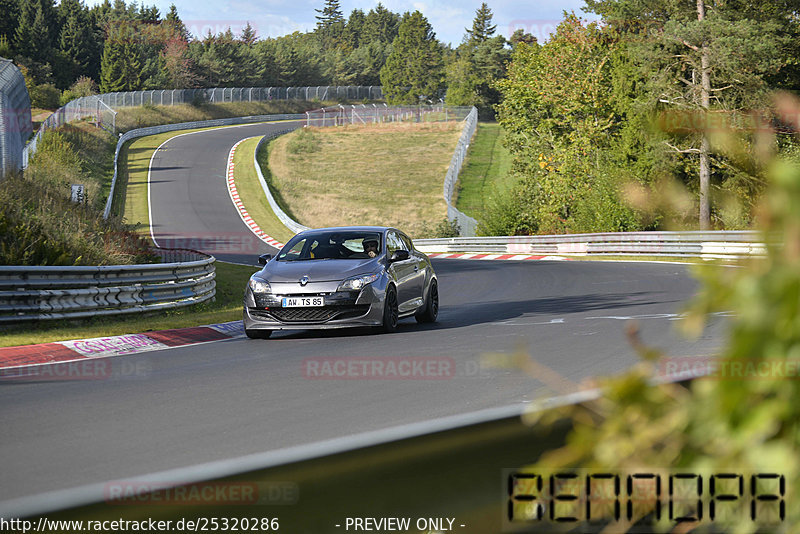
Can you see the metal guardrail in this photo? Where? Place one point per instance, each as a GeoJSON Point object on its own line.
{"type": "Point", "coordinates": [710, 245]}
{"type": "Point", "coordinates": [153, 130]}
{"type": "Point", "coordinates": [466, 224]}
{"type": "Point", "coordinates": [363, 114]}
{"type": "Point", "coordinates": [287, 221]}
{"type": "Point", "coordinates": [56, 292]}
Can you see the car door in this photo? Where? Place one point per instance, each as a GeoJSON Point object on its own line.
{"type": "Point", "coordinates": [403, 272]}
{"type": "Point", "coordinates": [417, 280]}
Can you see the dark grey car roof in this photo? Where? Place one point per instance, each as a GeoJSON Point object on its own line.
{"type": "Point", "coordinates": [355, 228]}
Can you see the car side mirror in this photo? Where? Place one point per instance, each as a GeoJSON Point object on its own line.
{"type": "Point", "coordinates": [264, 258]}
{"type": "Point", "coordinates": [398, 255]}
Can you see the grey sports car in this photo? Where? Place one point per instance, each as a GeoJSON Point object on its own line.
{"type": "Point", "coordinates": [341, 277]}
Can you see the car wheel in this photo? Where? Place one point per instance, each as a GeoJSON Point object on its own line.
{"type": "Point", "coordinates": [430, 312]}
{"type": "Point", "coordinates": [257, 334]}
{"type": "Point", "coordinates": [390, 313]}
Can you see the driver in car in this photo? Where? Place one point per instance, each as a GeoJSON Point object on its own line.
{"type": "Point", "coordinates": [371, 248]}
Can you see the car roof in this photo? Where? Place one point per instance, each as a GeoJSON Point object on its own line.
{"type": "Point", "coordinates": [350, 228]}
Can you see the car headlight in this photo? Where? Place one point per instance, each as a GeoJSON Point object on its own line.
{"type": "Point", "coordinates": [356, 283]}
{"type": "Point", "coordinates": [257, 285]}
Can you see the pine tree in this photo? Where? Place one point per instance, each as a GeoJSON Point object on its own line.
{"type": "Point", "coordinates": [481, 60]}
{"type": "Point", "coordinates": [330, 24]}
{"type": "Point", "coordinates": [176, 23]}
{"type": "Point", "coordinates": [76, 36]}
{"type": "Point", "coordinates": [120, 66]}
{"type": "Point", "coordinates": [380, 25]}
{"type": "Point", "coordinates": [112, 68]}
{"type": "Point", "coordinates": [329, 15]}
{"type": "Point", "coordinates": [482, 27]}
{"type": "Point", "coordinates": [414, 70]}
{"type": "Point", "coordinates": [248, 35]}
{"type": "Point", "coordinates": [287, 61]}
{"type": "Point", "coordinates": [32, 38]}
{"type": "Point", "coordinates": [9, 21]}
{"type": "Point", "coordinates": [353, 29]}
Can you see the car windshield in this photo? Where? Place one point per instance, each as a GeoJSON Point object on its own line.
{"type": "Point", "coordinates": [332, 245]}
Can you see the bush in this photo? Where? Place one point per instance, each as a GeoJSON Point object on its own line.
{"type": "Point", "coordinates": [39, 225]}
{"type": "Point", "coordinates": [512, 212]}
{"type": "Point", "coordinates": [447, 228]}
{"type": "Point", "coordinates": [45, 96]}
{"type": "Point", "coordinates": [304, 141]}
{"type": "Point", "coordinates": [83, 86]}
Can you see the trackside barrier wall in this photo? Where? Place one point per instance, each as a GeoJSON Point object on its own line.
{"type": "Point", "coordinates": [287, 221]}
{"type": "Point", "coordinates": [367, 114]}
{"type": "Point", "coordinates": [372, 114]}
{"type": "Point", "coordinates": [707, 245]}
{"type": "Point", "coordinates": [15, 117]}
{"type": "Point", "coordinates": [57, 292]}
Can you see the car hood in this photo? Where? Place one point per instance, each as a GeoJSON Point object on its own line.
{"type": "Point", "coordinates": [317, 270]}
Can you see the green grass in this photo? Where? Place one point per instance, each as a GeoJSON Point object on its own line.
{"type": "Point", "coordinates": [486, 170]}
{"type": "Point", "coordinates": [227, 306]}
{"type": "Point", "coordinates": [251, 193]}
{"type": "Point", "coordinates": [382, 174]}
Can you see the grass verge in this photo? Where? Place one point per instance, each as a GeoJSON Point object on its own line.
{"type": "Point", "coordinates": [131, 200]}
{"type": "Point", "coordinates": [381, 174]}
{"type": "Point", "coordinates": [486, 170]}
{"type": "Point", "coordinates": [227, 306]}
{"type": "Point", "coordinates": [251, 193]}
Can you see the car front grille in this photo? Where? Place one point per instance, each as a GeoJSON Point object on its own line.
{"type": "Point", "coordinates": [310, 315]}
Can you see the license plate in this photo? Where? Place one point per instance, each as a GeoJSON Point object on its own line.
{"type": "Point", "coordinates": [302, 302]}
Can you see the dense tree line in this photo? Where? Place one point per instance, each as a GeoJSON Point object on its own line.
{"type": "Point", "coordinates": [75, 49]}
{"type": "Point", "coordinates": [659, 103]}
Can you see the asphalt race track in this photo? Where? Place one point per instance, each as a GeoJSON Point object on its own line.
{"type": "Point", "coordinates": [189, 202]}
{"type": "Point", "coordinates": [194, 404]}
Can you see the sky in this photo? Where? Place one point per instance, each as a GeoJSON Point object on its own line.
{"type": "Point", "coordinates": [449, 18]}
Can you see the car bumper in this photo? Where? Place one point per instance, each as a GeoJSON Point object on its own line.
{"type": "Point", "coordinates": [341, 310]}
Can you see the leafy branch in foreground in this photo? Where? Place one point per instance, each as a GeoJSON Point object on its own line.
{"type": "Point", "coordinates": [745, 422]}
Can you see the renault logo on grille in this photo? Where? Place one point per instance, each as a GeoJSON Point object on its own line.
{"type": "Point", "coordinates": [304, 280]}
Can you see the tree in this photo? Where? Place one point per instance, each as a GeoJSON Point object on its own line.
{"type": "Point", "coordinates": [380, 25]}
{"type": "Point", "coordinates": [482, 27]}
{"type": "Point", "coordinates": [354, 28]}
{"type": "Point", "coordinates": [174, 20]}
{"type": "Point", "coordinates": [330, 23]}
{"type": "Point", "coordinates": [521, 36]}
{"type": "Point", "coordinates": [415, 68]}
{"type": "Point", "coordinates": [177, 65]}
{"type": "Point", "coordinates": [76, 37]}
{"type": "Point", "coordinates": [558, 114]}
{"type": "Point", "coordinates": [703, 59]}
{"type": "Point", "coordinates": [480, 62]}
{"type": "Point", "coordinates": [249, 36]}
{"type": "Point", "coordinates": [32, 38]}
{"type": "Point", "coordinates": [120, 66]}
{"type": "Point", "coordinates": [9, 21]}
